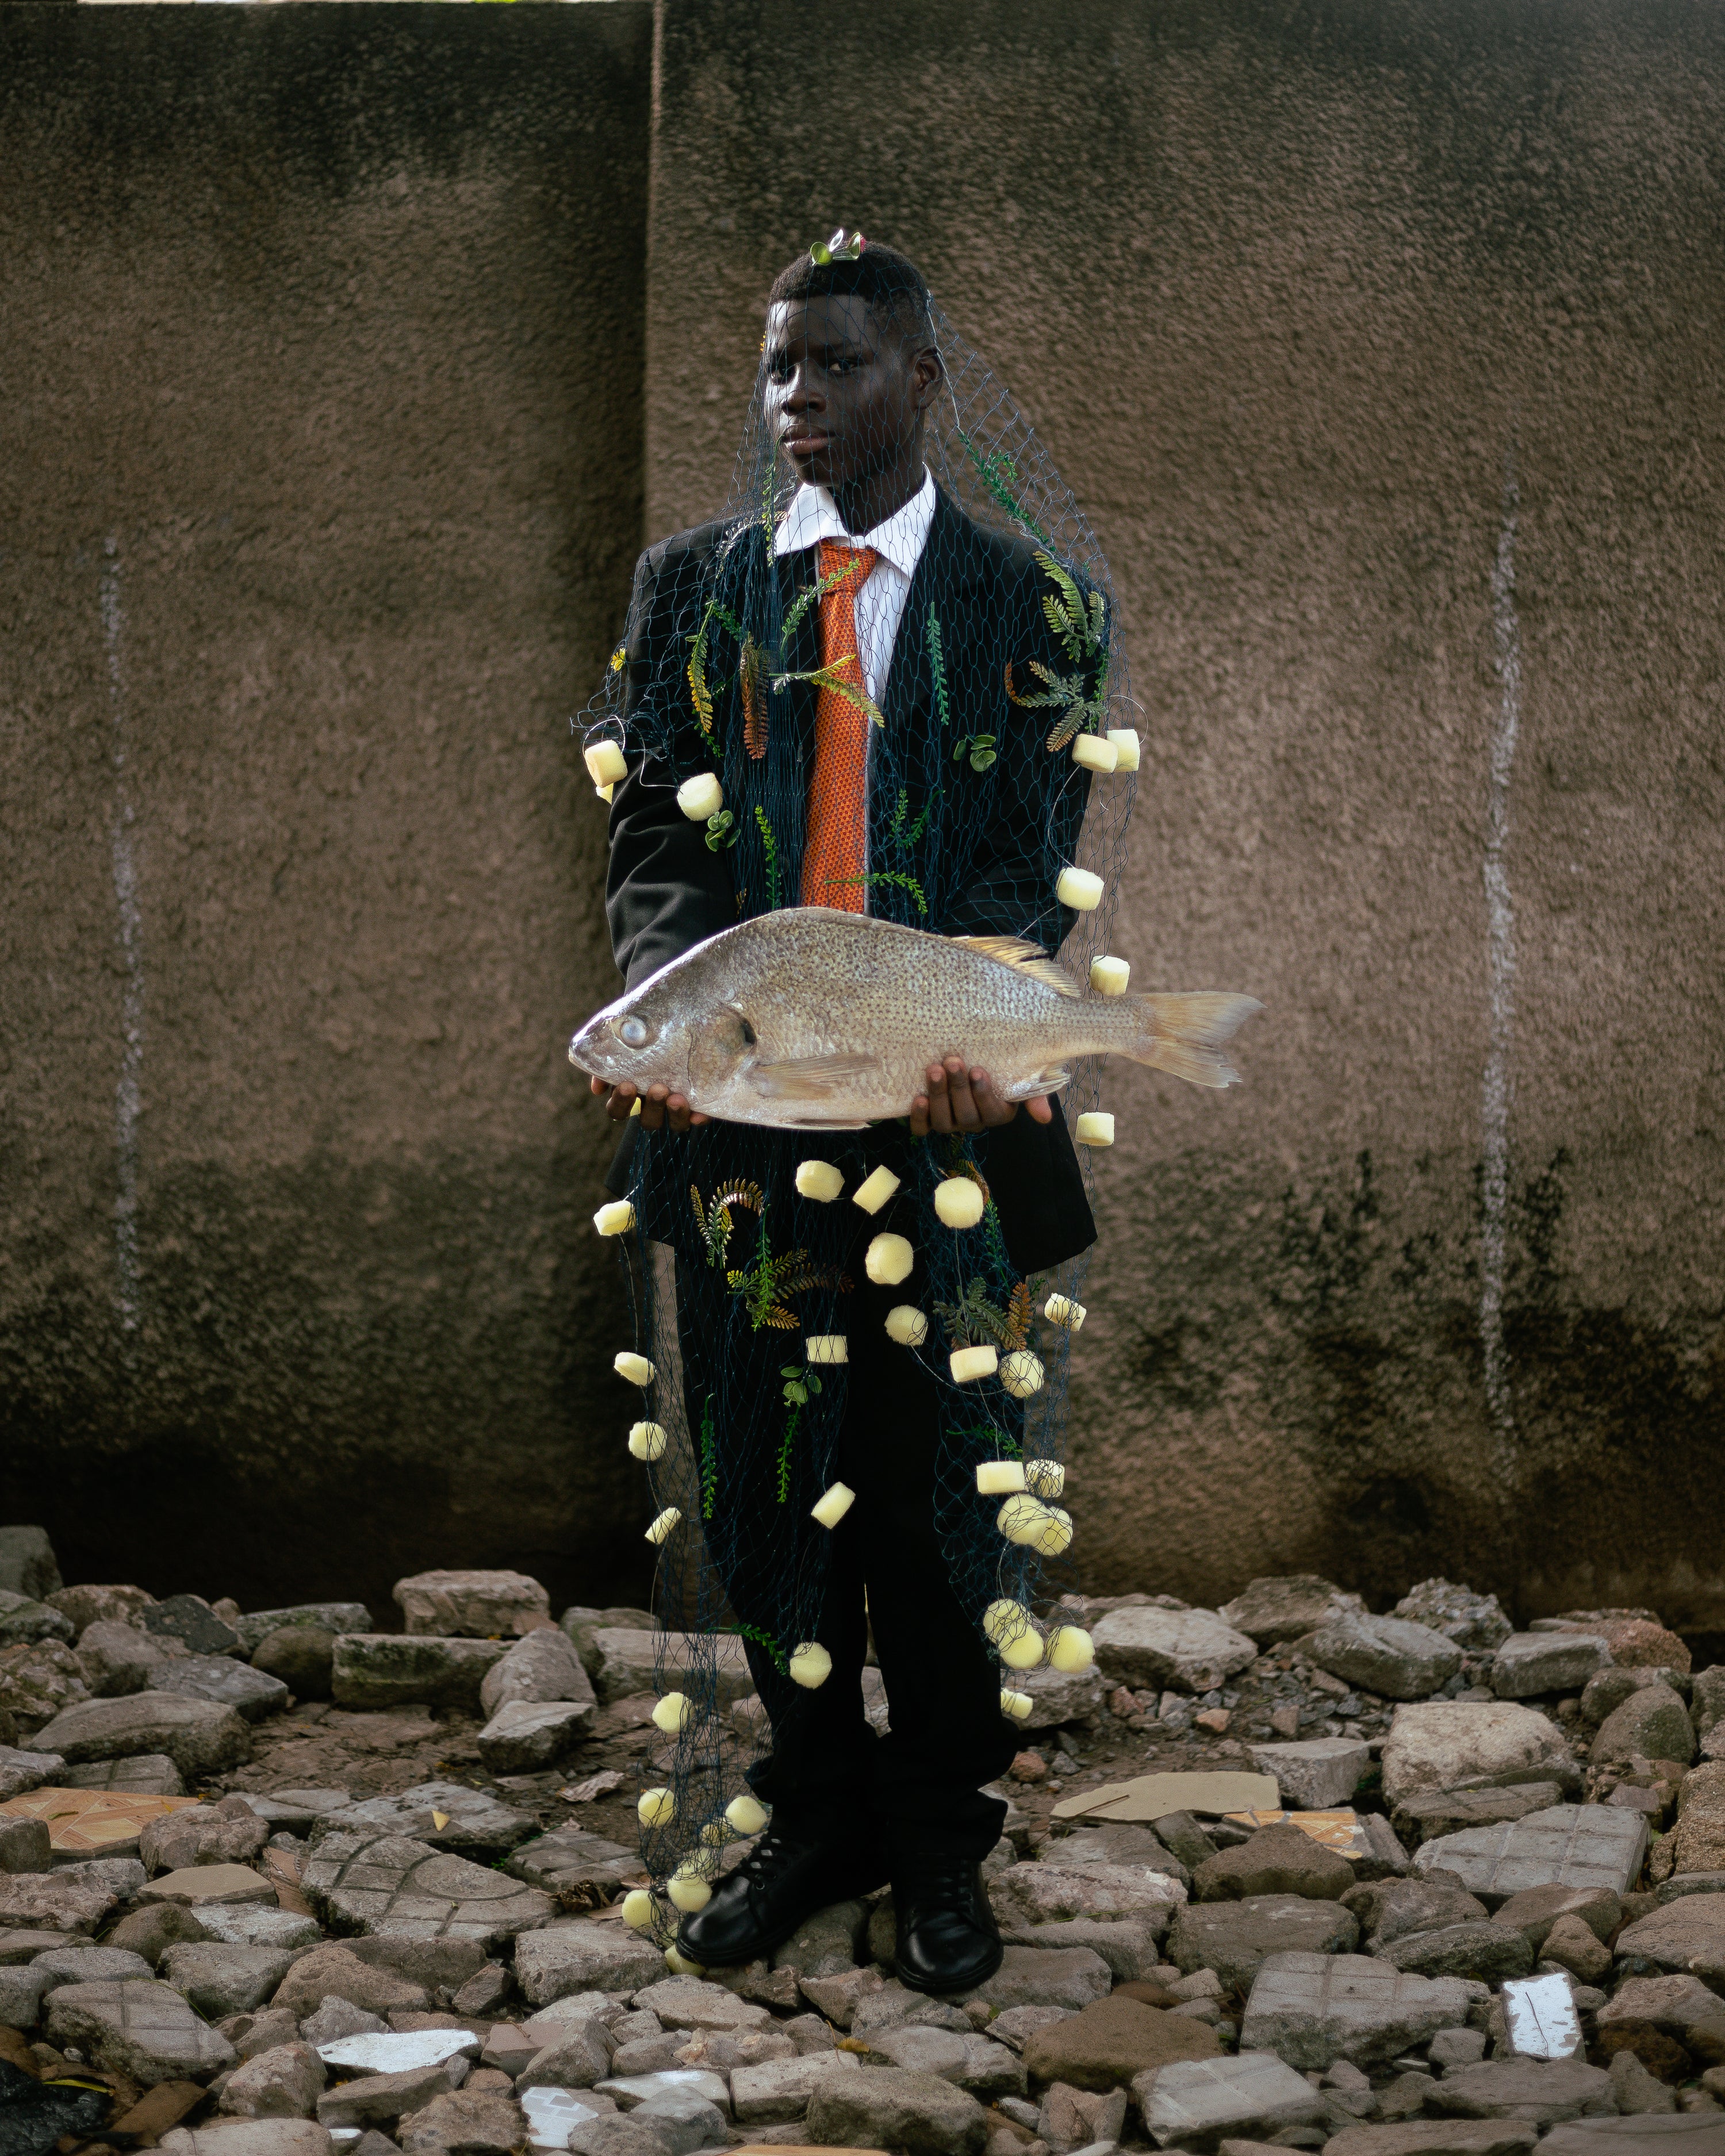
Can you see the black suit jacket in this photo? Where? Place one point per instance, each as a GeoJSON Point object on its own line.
{"type": "Point", "coordinates": [667, 891]}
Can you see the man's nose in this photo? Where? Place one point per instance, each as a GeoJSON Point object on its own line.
{"type": "Point", "coordinates": [803, 391]}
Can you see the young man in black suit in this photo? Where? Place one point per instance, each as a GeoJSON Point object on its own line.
{"type": "Point", "coordinates": [851, 374]}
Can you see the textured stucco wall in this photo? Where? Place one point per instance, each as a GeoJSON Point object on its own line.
{"type": "Point", "coordinates": [328, 322]}
{"type": "Point", "coordinates": [329, 316]}
{"type": "Point", "coordinates": [1283, 287]}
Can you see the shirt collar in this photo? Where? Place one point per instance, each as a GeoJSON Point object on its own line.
{"type": "Point", "coordinates": [899, 538]}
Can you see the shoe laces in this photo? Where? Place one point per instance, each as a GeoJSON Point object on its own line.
{"type": "Point", "coordinates": [771, 1854]}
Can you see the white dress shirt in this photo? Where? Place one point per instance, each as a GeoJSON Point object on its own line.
{"type": "Point", "coordinates": [898, 540]}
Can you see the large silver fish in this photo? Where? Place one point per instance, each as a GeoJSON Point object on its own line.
{"type": "Point", "coordinates": [814, 1018]}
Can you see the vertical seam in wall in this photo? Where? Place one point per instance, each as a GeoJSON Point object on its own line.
{"type": "Point", "coordinates": [128, 1093]}
{"type": "Point", "coordinates": [1500, 947]}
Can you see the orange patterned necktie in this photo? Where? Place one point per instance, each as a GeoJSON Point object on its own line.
{"type": "Point", "coordinates": [835, 851]}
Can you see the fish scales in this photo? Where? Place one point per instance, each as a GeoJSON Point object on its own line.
{"type": "Point", "coordinates": [815, 1018]}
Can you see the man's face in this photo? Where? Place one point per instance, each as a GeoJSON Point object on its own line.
{"type": "Point", "coordinates": [846, 393]}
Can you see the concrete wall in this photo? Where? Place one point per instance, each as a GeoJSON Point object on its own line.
{"type": "Point", "coordinates": [1381, 342]}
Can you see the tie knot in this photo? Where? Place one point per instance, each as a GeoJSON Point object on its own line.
{"type": "Point", "coordinates": [851, 565]}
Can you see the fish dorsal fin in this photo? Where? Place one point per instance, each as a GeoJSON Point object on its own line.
{"type": "Point", "coordinates": [1024, 959]}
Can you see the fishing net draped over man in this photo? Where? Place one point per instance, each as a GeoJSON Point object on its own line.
{"type": "Point", "coordinates": [868, 752]}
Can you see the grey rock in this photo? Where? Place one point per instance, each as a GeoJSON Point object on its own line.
{"type": "Point", "coordinates": [1041, 1894]}
{"type": "Point", "coordinates": [118, 1658]}
{"type": "Point", "coordinates": [1391, 1909]}
{"type": "Point", "coordinates": [1384, 1655]}
{"type": "Point", "coordinates": [582, 1627]}
{"type": "Point", "coordinates": [689, 2002]}
{"type": "Point", "coordinates": [1186, 1650]}
{"type": "Point", "coordinates": [376, 1670]}
{"type": "Point", "coordinates": [87, 1964]}
{"type": "Point", "coordinates": [220, 1979]}
{"type": "Point", "coordinates": [1488, 1953]}
{"type": "Point", "coordinates": [1633, 2089]}
{"type": "Point", "coordinates": [252, 2035]}
{"type": "Point", "coordinates": [524, 1737]}
{"type": "Point", "coordinates": [1118, 1843]}
{"type": "Point", "coordinates": [1315, 1774]}
{"type": "Point", "coordinates": [1039, 1976]}
{"type": "Point", "coordinates": [22, 1991]}
{"type": "Point", "coordinates": [890, 2004]}
{"type": "Point", "coordinates": [1432, 1813]}
{"type": "Point", "coordinates": [19, 1945]}
{"type": "Point", "coordinates": [1475, 1622]}
{"type": "Point", "coordinates": [779, 2089]}
{"type": "Point", "coordinates": [251, 1692]}
{"type": "Point", "coordinates": [73, 1898]}
{"type": "Point", "coordinates": [391, 1883]}
{"type": "Point", "coordinates": [543, 1667]}
{"type": "Point", "coordinates": [189, 1619]}
{"type": "Point", "coordinates": [1542, 2091]}
{"type": "Point", "coordinates": [397, 2051]}
{"type": "Point", "coordinates": [200, 1886]}
{"type": "Point", "coordinates": [1652, 1722]}
{"type": "Point", "coordinates": [1286, 1607]}
{"type": "Point", "coordinates": [24, 1844]}
{"type": "Point", "coordinates": [1196, 2102]}
{"type": "Point", "coordinates": [227, 1833]}
{"type": "Point", "coordinates": [682, 2121]}
{"type": "Point", "coordinates": [250, 2137]}
{"type": "Point", "coordinates": [337, 1969]}
{"type": "Point", "coordinates": [569, 1858]}
{"type": "Point", "coordinates": [258, 1925]}
{"type": "Point", "coordinates": [476, 1824]}
{"type": "Point", "coordinates": [24, 1620]}
{"type": "Point", "coordinates": [578, 2058]}
{"type": "Point", "coordinates": [464, 2123]}
{"type": "Point", "coordinates": [1529, 1663]}
{"type": "Point", "coordinates": [616, 2134]}
{"type": "Point", "coordinates": [296, 1809]}
{"type": "Point", "coordinates": [380, 2100]}
{"type": "Point", "coordinates": [632, 1661]}
{"type": "Point", "coordinates": [146, 2030]}
{"type": "Point", "coordinates": [456, 1602]}
{"type": "Point", "coordinates": [27, 1562]}
{"type": "Point", "coordinates": [1688, 1935]}
{"type": "Point", "coordinates": [1567, 1845]}
{"type": "Point", "coordinates": [1612, 1686]}
{"type": "Point", "coordinates": [21, 1771]}
{"type": "Point", "coordinates": [1679, 2004]}
{"type": "Point", "coordinates": [1442, 1744]}
{"type": "Point", "coordinates": [301, 1656]}
{"type": "Point", "coordinates": [141, 1773]}
{"type": "Point", "coordinates": [1130, 1949]}
{"type": "Point", "coordinates": [581, 1956]}
{"type": "Point", "coordinates": [551, 2114]}
{"type": "Point", "coordinates": [1707, 1697]}
{"type": "Point", "coordinates": [886, 2107]}
{"type": "Point", "coordinates": [257, 1625]}
{"type": "Point", "coordinates": [1449, 2137]}
{"type": "Point", "coordinates": [1058, 1697]}
{"type": "Point", "coordinates": [282, 2082]}
{"type": "Point", "coordinates": [336, 2018]}
{"type": "Point", "coordinates": [1019, 2023]}
{"type": "Point", "coordinates": [1235, 1937]}
{"type": "Point", "coordinates": [201, 1737]}
{"type": "Point", "coordinates": [629, 2090]}
{"type": "Point", "coordinates": [148, 1932]}
{"type": "Point", "coordinates": [1311, 2009]}
{"type": "Point", "coordinates": [1457, 2047]}
{"type": "Point", "coordinates": [1276, 1860]}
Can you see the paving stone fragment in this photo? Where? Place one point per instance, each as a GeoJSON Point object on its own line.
{"type": "Point", "coordinates": [148, 1932]}
{"type": "Point", "coordinates": [189, 1619]}
{"type": "Point", "coordinates": [268, 2031]}
{"type": "Point", "coordinates": [61, 1964]}
{"type": "Point", "coordinates": [1652, 1722]}
{"type": "Point", "coordinates": [250, 2137]}
{"type": "Point", "coordinates": [578, 2057]}
{"type": "Point", "coordinates": [1165, 1800]}
{"type": "Point", "coordinates": [56, 1902]}
{"type": "Point", "coordinates": [1436, 2137]}
{"type": "Point", "coordinates": [551, 2113]}
{"type": "Point", "coordinates": [201, 1737]}
{"type": "Point", "coordinates": [1235, 1937]}
{"type": "Point", "coordinates": [1688, 1934]}
{"type": "Point", "coordinates": [253, 1693]}
{"type": "Point", "coordinates": [1573, 1946]}
{"type": "Point", "coordinates": [630, 2091]}
{"type": "Point", "coordinates": [1439, 1744]}
{"type": "Point", "coordinates": [438, 1964]}
{"type": "Point", "coordinates": [627, 1660]}
{"type": "Point", "coordinates": [1543, 2090]}
{"type": "Point", "coordinates": [24, 1844]}
{"type": "Point", "coordinates": [21, 1771]}
{"type": "Point", "coordinates": [1129, 1947]}
{"type": "Point", "coordinates": [220, 1979]}
{"type": "Point", "coordinates": [475, 1823]}
{"type": "Point", "coordinates": [1135, 1848]}
{"type": "Point", "coordinates": [282, 2082]}
{"type": "Point", "coordinates": [1697, 1841]}
{"type": "Point", "coordinates": [335, 2018]}
{"type": "Point", "coordinates": [543, 1667]}
{"type": "Point", "coordinates": [1317, 1774]}
{"type": "Point", "coordinates": [1187, 1649]}
{"type": "Point", "coordinates": [227, 1833]}
{"type": "Point", "coordinates": [568, 1857]}
{"type": "Point", "coordinates": [255, 1924]}
{"type": "Point", "coordinates": [1037, 1976]}
{"type": "Point", "coordinates": [1041, 1894]}
{"type": "Point", "coordinates": [1536, 1909]}
{"type": "Point", "coordinates": [1486, 1952]}
{"type": "Point", "coordinates": [335, 1972]}
{"type": "Point", "coordinates": [1059, 1698]}
{"type": "Point", "coordinates": [1195, 2102]}
{"type": "Point", "coordinates": [117, 1659]}
{"type": "Point", "coordinates": [1529, 1663]}
{"type": "Point", "coordinates": [392, 1883]}
{"type": "Point", "coordinates": [1277, 1860]}
{"type": "Point", "coordinates": [1312, 2009]}
{"type": "Point", "coordinates": [1636, 2090]}
{"type": "Point", "coordinates": [457, 1603]}
{"type": "Point", "coordinates": [1680, 2005]}
{"type": "Point", "coordinates": [1432, 1813]}
{"type": "Point", "coordinates": [688, 2002]}
{"type": "Point", "coordinates": [145, 2030]}
{"type": "Point", "coordinates": [1285, 1607]}
{"type": "Point", "coordinates": [22, 1991]}
{"type": "Point", "coordinates": [465, 2122]}
{"type": "Point", "coordinates": [524, 1736]}
{"type": "Point", "coordinates": [257, 1625]}
{"type": "Point", "coordinates": [682, 2122]}
{"type": "Point", "coordinates": [1385, 1654]}
{"type": "Point", "coordinates": [296, 1809]}
{"type": "Point", "coordinates": [885, 2107]}
{"type": "Point", "coordinates": [380, 2100]}
{"type": "Point", "coordinates": [201, 1885]}
{"type": "Point", "coordinates": [374, 1670]}
{"type": "Point", "coordinates": [1110, 2040]}
{"type": "Point", "coordinates": [1567, 1845]}
{"type": "Point", "coordinates": [28, 1565]}
{"type": "Point", "coordinates": [140, 1774]}
{"type": "Point", "coordinates": [582, 1956]}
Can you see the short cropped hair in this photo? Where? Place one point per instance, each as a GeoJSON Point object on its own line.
{"type": "Point", "coordinates": [889, 283]}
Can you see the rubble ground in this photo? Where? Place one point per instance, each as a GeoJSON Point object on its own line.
{"type": "Point", "coordinates": [1288, 1873]}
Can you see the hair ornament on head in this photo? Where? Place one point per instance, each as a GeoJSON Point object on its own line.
{"type": "Point", "coordinates": [842, 247]}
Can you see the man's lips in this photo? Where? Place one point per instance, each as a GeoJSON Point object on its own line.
{"type": "Point", "coordinates": [806, 445]}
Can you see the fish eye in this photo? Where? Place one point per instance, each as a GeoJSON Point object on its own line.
{"type": "Point", "coordinates": [748, 1033]}
{"type": "Point", "coordinates": [633, 1032]}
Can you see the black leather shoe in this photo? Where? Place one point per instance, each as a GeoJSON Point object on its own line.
{"type": "Point", "coordinates": [948, 1938]}
{"type": "Point", "coordinates": [778, 1887]}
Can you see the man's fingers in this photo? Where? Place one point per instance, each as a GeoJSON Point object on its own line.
{"type": "Point", "coordinates": [990, 1106]}
{"type": "Point", "coordinates": [1041, 1109]}
{"type": "Point", "coordinates": [965, 1114]}
{"type": "Point", "coordinates": [919, 1116]}
{"type": "Point", "coordinates": [940, 1105]}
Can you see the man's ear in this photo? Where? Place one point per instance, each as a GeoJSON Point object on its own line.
{"type": "Point", "coordinates": [926, 375]}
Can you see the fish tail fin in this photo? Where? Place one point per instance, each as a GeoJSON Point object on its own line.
{"type": "Point", "coordinates": [1184, 1034]}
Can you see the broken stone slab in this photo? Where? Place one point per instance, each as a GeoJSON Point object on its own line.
{"type": "Point", "coordinates": [1041, 1893]}
{"type": "Point", "coordinates": [1196, 2102]}
{"type": "Point", "coordinates": [141, 1774]}
{"type": "Point", "coordinates": [190, 1620]}
{"type": "Point", "coordinates": [93, 1605]}
{"type": "Point", "coordinates": [1684, 1935]}
{"type": "Point", "coordinates": [1436, 2137]}
{"type": "Point", "coordinates": [1058, 1697]}
{"type": "Point", "coordinates": [1696, 2135]}
{"type": "Point", "coordinates": [201, 1737]}
{"type": "Point", "coordinates": [1181, 1650]}
{"type": "Point", "coordinates": [380, 2099]}
{"type": "Point", "coordinates": [24, 1621]}
{"type": "Point", "coordinates": [393, 1884]}
{"type": "Point", "coordinates": [230, 1683]}
{"type": "Point", "coordinates": [28, 1565]}
{"type": "Point", "coordinates": [201, 1886]}
{"type": "Point", "coordinates": [582, 1956]}
{"type": "Point", "coordinates": [1038, 1976]}
{"type": "Point", "coordinates": [568, 1857]}
{"type": "Point", "coordinates": [250, 2137]}
{"type": "Point", "coordinates": [688, 2002]}
{"type": "Point", "coordinates": [464, 2123]}
{"type": "Point", "coordinates": [1536, 1909]}
{"type": "Point", "coordinates": [628, 2091]}
{"type": "Point", "coordinates": [1277, 1860]}
{"type": "Point", "coordinates": [374, 1670]}
{"type": "Point", "coordinates": [1234, 1938]}
{"type": "Point", "coordinates": [1442, 1744]}
{"type": "Point", "coordinates": [438, 1964]}
{"type": "Point", "coordinates": [778, 2089]}
{"type": "Point", "coordinates": [1434, 1813]}
{"type": "Point", "coordinates": [283, 2081]}
{"type": "Point", "coordinates": [145, 2030]}
{"type": "Point", "coordinates": [1652, 1723]}
{"type": "Point", "coordinates": [24, 1844]}
{"type": "Point", "coordinates": [885, 2107]}
{"type": "Point", "coordinates": [1566, 1845]}
{"type": "Point", "coordinates": [22, 1991]}
{"type": "Point", "coordinates": [1475, 1622]}
{"type": "Point", "coordinates": [526, 1736]}
{"type": "Point", "coordinates": [682, 2122]}
{"type": "Point", "coordinates": [296, 1809]}
{"type": "Point", "coordinates": [474, 1822]}
{"type": "Point", "coordinates": [1543, 2090]}
{"type": "Point", "coordinates": [1314, 2009]}
{"type": "Point", "coordinates": [219, 1979]}
{"type": "Point", "coordinates": [257, 1625]}
{"type": "Point", "coordinates": [1286, 1607]}
{"type": "Point", "coordinates": [1487, 1952]}
{"type": "Point", "coordinates": [335, 1972]}
{"type": "Point", "coordinates": [631, 1662]}
{"type": "Point", "coordinates": [551, 2114]}
{"type": "Point", "coordinates": [58, 1901]}
{"type": "Point", "coordinates": [253, 1924]}
{"type": "Point", "coordinates": [21, 1771]}
{"type": "Point", "coordinates": [1129, 1948]}
{"type": "Point", "coordinates": [1111, 2041]}
{"type": "Point", "coordinates": [65, 1963]}
{"type": "Point", "coordinates": [1317, 1774]}
{"type": "Point", "coordinates": [582, 1626]}
{"type": "Point", "coordinates": [226, 1833]}
{"type": "Point", "coordinates": [543, 1667]}
{"type": "Point", "coordinates": [1529, 1663]}
{"type": "Point", "coordinates": [1384, 1655]}
{"type": "Point", "coordinates": [1134, 1848]}
{"type": "Point", "coordinates": [119, 1658]}
{"type": "Point", "coordinates": [464, 1604]}
{"type": "Point", "coordinates": [1540, 2018]}
{"type": "Point", "coordinates": [986, 2069]}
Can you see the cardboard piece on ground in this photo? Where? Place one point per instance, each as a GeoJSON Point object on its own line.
{"type": "Point", "coordinates": [89, 1822]}
{"type": "Point", "coordinates": [1151, 1797]}
{"type": "Point", "coordinates": [1342, 1832]}
{"type": "Point", "coordinates": [157, 2112]}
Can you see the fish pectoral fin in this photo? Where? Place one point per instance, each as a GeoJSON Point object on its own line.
{"type": "Point", "coordinates": [1024, 959]}
{"type": "Point", "coordinates": [1045, 1081]}
{"type": "Point", "coordinates": [810, 1077]}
